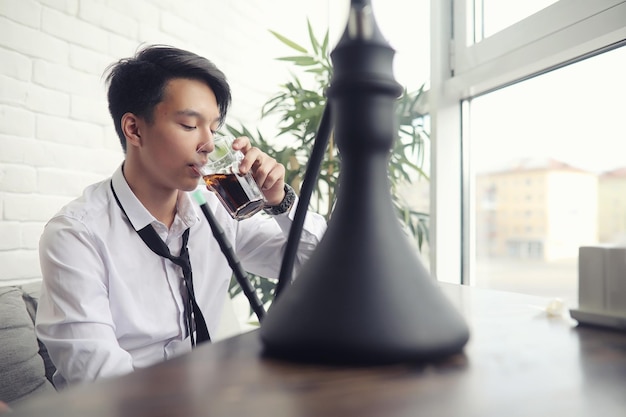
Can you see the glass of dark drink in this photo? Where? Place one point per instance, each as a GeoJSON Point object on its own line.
{"type": "Point", "coordinates": [238, 192]}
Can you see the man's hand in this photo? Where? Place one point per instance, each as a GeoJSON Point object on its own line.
{"type": "Point", "coordinates": [267, 172]}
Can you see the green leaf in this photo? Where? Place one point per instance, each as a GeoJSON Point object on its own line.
{"type": "Point", "coordinates": [299, 60]}
{"type": "Point", "coordinates": [314, 43]}
{"type": "Point", "coordinates": [289, 42]}
{"type": "Point", "coordinates": [325, 45]}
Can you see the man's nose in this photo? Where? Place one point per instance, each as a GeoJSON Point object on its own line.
{"type": "Point", "coordinates": [207, 144]}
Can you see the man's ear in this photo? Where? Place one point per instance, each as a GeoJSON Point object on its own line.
{"type": "Point", "coordinates": [130, 127]}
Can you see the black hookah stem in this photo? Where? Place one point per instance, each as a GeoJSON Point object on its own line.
{"type": "Point", "coordinates": [231, 257]}
{"type": "Point", "coordinates": [308, 185]}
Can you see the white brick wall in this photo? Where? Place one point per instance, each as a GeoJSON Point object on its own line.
{"type": "Point", "coordinates": [55, 132]}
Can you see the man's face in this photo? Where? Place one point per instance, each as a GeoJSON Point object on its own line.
{"type": "Point", "coordinates": [182, 123]}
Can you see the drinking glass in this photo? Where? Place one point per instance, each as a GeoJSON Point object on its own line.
{"type": "Point", "coordinates": [237, 192]}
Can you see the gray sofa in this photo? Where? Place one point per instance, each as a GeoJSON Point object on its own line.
{"type": "Point", "coordinates": [25, 368]}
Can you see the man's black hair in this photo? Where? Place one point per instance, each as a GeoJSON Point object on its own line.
{"type": "Point", "coordinates": [137, 84]}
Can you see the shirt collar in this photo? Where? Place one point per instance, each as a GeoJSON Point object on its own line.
{"type": "Point", "coordinates": [139, 216]}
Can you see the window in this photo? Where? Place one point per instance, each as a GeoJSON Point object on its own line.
{"type": "Point", "coordinates": [492, 16]}
{"type": "Point", "coordinates": [543, 132]}
{"type": "Point", "coordinates": [558, 36]}
{"type": "Point", "coordinates": [549, 36]}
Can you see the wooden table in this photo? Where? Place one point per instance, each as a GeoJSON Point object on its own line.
{"type": "Point", "coordinates": [519, 362]}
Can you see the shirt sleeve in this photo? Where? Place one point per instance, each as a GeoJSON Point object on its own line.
{"type": "Point", "coordinates": [74, 319]}
{"type": "Point", "coordinates": [261, 241]}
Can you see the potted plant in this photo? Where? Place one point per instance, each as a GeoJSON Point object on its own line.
{"type": "Point", "coordinates": [299, 104]}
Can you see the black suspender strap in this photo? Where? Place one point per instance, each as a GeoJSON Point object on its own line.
{"type": "Point", "coordinates": [193, 315]}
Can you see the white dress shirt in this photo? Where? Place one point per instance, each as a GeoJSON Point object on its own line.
{"type": "Point", "coordinates": [110, 305]}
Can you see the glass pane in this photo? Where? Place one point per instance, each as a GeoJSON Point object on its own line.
{"type": "Point", "coordinates": [547, 159]}
{"type": "Point", "coordinates": [492, 16]}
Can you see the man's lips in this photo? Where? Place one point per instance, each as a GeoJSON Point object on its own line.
{"type": "Point", "coordinates": [196, 169]}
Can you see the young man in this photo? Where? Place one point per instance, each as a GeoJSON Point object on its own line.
{"type": "Point", "coordinates": [109, 303]}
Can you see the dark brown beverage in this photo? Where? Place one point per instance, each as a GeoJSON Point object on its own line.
{"type": "Point", "coordinates": [231, 190]}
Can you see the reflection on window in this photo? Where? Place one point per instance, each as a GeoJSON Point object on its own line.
{"type": "Point", "coordinates": [549, 175]}
{"type": "Point", "coordinates": [492, 16]}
